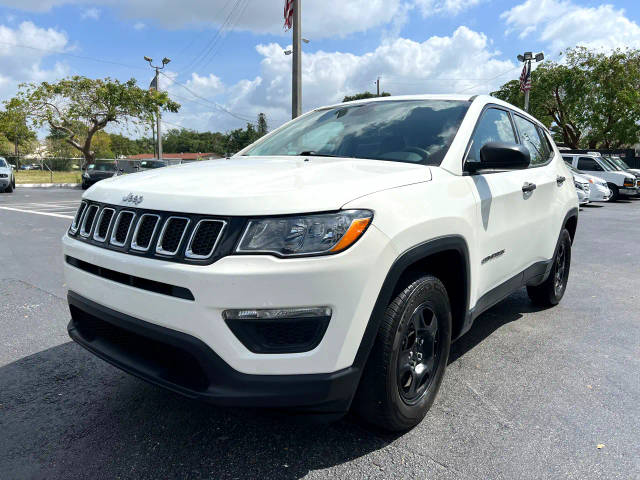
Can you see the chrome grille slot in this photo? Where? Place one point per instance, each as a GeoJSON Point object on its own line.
{"type": "Point", "coordinates": [204, 238]}
{"type": "Point", "coordinates": [171, 235]}
{"type": "Point", "coordinates": [88, 220]}
{"type": "Point", "coordinates": [121, 228]}
{"type": "Point", "coordinates": [103, 224]}
{"type": "Point", "coordinates": [144, 232]}
{"type": "Point", "coordinates": [76, 220]}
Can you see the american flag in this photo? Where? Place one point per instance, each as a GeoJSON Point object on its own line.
{"type": "Point", "coordinates": [288, 14]}
{"type": "Point", "coordinates": [525, 77]}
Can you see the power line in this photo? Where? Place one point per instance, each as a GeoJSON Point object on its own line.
{"type": "Point", "coordinates": [216, 48]}
{"type": "Point", "coordinates": [82, 57]}
{"type": "Point", "coordinates": [224, 26]}
{"type": "Point", "coordinates": [244, 118]}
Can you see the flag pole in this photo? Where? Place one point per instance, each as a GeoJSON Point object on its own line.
{"type": "Point", "coordinates": [296, 80]}
{"type": "Point", "coordinates": [526, 92]}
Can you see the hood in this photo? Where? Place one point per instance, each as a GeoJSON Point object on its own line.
{"type": "Point", "coordinates": [6, 170]}
{"type": "Point", "coordinates": [259, 185]}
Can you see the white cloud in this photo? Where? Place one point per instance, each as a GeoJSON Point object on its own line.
{"type": "Point", "coordinates": [451, 7]}
{"type": "Point", "coordinates": [21, 55]}
{"type": "Point", "coordinates": [319, 18]}
{"type": "Point", "coordinates": [91, 13]}
{"type": "Point", "coordinates": [139, 26]}
{"type": "Point", "coordinates": [463, 62]}
{"type": "Point", "coordinates": [562, 24]}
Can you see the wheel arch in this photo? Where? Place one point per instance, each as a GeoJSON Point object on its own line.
{"type": "Point", "coordinates": [571, 222]}
{"type": "Point", "coordinates": [436, 257]}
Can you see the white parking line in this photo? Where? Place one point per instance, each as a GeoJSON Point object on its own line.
{"type": "Point", "coordinates": [49, 214]}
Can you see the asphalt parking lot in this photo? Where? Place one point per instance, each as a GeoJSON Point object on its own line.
{"type": "Point", "coordinates": [528, 393]}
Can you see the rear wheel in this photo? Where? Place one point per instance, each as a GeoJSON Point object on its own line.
{"type": "Point", "coordinates": [409, 357]}
{"type": "Point", "coordinates": [615, 193]}
{"type": "Point", "coordinates": [551, 291]}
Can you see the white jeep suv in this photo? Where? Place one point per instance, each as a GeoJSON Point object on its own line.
{"type": "Point", "coordinates": [329, 265]}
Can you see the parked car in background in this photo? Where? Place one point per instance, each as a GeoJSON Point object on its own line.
{"type": "Point", "coordinates": [582, 188]}
{"type": "Point", "coordinates": [329, 265]}
{"type": "Point", "coordinates": [618, 181]}
{"type": "Point", "coordinates": [97, 171]}
{"type": "Point", "coordinates": [599, 191]}
{"type": "Point", "coordinates": [31, 166]}
{"type": "Point", "coordinates": [7, 176]}
{"type": "Point", "coordinates": [151, 164]}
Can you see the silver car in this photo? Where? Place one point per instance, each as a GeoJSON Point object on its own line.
{"type": "Point", "coordinates": [7, 177]}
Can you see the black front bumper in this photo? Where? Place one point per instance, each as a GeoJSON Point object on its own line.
{"type": "Point", "coordinates": [184, 364]}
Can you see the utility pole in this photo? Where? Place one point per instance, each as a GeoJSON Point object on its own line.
{"type": "Point", "coordinates": [378, 86]}
{"type": "Point", "coordinates": [526, 58]}
{"type": "Point", "coordinates": [296, 80]}
{"type": "Point", "coordinates": [154, 86]}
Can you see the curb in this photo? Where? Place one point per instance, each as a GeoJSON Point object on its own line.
{"type": "Point", "coordinates": [48, 185]}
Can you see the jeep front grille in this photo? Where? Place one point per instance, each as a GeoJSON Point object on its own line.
{"type": "Point", "coordinates": [169, 236]}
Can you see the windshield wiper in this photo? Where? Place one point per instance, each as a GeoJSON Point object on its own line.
{"type": "Point", "coordinates": [313, 153]}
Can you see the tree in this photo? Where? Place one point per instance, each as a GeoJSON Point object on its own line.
{"type": "Point", "coordinates": [263, 128]}
{"type": "Point", "coordinates": [13, 126]}
{"type": "Point", "coordinates": [362, 96]}
{"type": "Point", "coordinates": [240, 138]}
{"type": "Point", "coordinates": [590, 100]}
{"type": "Point", "coordinates": [92, 103]}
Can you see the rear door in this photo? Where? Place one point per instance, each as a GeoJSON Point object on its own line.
{"type": "Point", "coordinates": [546, 207]}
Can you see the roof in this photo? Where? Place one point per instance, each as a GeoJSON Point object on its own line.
{"type": "Point", "coordinates": [173, 156]}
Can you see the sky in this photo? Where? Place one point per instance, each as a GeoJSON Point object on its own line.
{"type": "Point", "coordinates": [227, 56]}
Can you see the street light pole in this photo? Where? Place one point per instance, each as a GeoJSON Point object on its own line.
{"type": "Point", "coordinates": [296, 80]}
{"type": "Point", "coordinates": [526, 58]}
{"type": "Point", "coordinates": [155, 86]}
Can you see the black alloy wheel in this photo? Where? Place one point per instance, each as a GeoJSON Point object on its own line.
{"type": "Point", "coordinates": [409, 357]}
{"type": "Point", "coordinates": [551, 291]}
{"type": "Point", "coordinates": [419, 358]}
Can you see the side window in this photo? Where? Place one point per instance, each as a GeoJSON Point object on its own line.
{"type": "Point", "coordinates": [530, 138]}
{"type": "Point", "coordinates": [569, 160]}
{"type": "Point", "coordinates": [494, 126]}
{"type": "Point", "coordinates": [588, 164]}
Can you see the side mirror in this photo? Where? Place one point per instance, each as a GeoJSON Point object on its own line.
{"type": "Point", "coordinates": [501, 156]}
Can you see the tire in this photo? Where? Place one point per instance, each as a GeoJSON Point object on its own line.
{"type": "Point", "coordinates": [408, 359]}
{"type": "Point", "coordinates": [615, 193]}
{"type": "Point", "coordinates": [551, 291]}
{"type": "Point", "coordinates": [10, 187]}
{"type": "Point", "coordinates": [84, 185]}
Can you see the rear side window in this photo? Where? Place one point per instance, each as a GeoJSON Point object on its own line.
{"type": "Point", "coordinates": [494, 126]}
{"type": "Point", "coordinates": [530, 137]}
{"type": "Point", "coordinates": [589, 164]}
{"type": "Point", "coordinates": [569, 160]}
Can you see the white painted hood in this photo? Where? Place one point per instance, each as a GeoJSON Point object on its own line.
{"type": "Point", "coordinates": [259, 185]}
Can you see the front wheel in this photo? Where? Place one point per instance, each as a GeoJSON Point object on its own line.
{"type": "Point", "coordinates": [615, 193]}
{"type": "Point", "coordinates": [551, 291]}
{"type": "Point", "coordinates": [10, 187]}
{"type": "Point", "coordinates": [409, 357]}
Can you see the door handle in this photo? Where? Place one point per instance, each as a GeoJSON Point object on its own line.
{"type": "Point", "coordinates": [528, 187]}
{"type": "Point", "coordinates": [560, 180]}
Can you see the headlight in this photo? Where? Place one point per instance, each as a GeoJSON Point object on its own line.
{"type": "Point", "coordinates": [305, 235]}
{"type": "Point", "coordinates": [578, 185]}
{"type": "Point", "coordinates": [628, 182]}
{"type": "Point", "coordinates": [4, 175]}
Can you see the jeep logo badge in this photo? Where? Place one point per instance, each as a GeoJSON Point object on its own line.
{"type": "Point", "coordinates": [131, 198]}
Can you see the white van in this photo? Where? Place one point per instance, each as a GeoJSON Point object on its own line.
{"type": "Point", "coordinates": [619, 182]}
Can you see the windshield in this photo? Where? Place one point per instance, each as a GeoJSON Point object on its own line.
{"type": "Point", "coordinates": [609, 165]}
{"type": "Point", "coordinates": [3, 163]}
{"type": "Point", "coordinates": [416, 131]}
{"type": "Point", "coordinates": [619, 162]}
{"type": "Point", "coordinates": [102, 167]}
